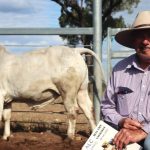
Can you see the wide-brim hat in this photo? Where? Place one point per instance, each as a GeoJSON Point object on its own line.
{"type": "Point", "coordinates": [142, 22]}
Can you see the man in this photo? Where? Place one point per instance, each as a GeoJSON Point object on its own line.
{"type": "Point", "coordinates": [126, 101]}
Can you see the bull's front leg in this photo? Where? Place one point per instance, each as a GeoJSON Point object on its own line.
{"type": "Point", "coordinates": [6, 118]}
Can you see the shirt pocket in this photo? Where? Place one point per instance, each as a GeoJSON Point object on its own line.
{"type": "Point", "coordinates": [124, 98]}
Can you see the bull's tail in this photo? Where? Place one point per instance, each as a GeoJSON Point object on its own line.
{"type": "Point", "coordinates": [88, 51]}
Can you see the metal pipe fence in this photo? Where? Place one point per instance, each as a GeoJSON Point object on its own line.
{"type": "Point", "coordinates": [117, 54]}
{"type": "Point", "coordinates": [30, 32]}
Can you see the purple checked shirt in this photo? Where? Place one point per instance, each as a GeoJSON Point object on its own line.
{"type": "Point", "coordinates": [128, 93]}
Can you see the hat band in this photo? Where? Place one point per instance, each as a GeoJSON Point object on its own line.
{"type": "Point", "coordinates": [142, 25]}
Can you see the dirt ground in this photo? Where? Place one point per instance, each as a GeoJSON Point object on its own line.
{"type": "Point", "coordinates": [43, 131]}
{"type": "Point", "coordinates": [41, 141]}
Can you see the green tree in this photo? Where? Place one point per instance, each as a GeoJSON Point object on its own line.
{"type": "Point", "coordinates": [78, 13]}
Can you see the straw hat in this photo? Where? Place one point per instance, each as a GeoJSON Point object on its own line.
{"type": "Point", "coordinates": [142, 22]}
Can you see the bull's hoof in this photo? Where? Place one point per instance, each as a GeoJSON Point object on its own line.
{"type": "Point", "coordinates": [68, 140]}
{"type": "Point", "coordinates": [7, 138]}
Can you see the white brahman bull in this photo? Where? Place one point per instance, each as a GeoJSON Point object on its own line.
{"type": "Point", "coordinates": [42, 76]}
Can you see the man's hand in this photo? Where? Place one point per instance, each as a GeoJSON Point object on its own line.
{"type": "Point", "coordinates": [126, 136]}
{"type": "Point", "coordinates": [131, 131]}
{"type": "Point", "coordinates": [129, 123]}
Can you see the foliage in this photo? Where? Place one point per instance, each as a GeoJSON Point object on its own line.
{"type": "Point", "coordinates": [78, 13]}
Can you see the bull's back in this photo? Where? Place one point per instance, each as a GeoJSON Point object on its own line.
{"type": "Point", "coordinates": [34, 72]}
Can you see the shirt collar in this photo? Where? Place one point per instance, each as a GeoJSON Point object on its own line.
{"type": "Point", "coordinates": [133, 63]}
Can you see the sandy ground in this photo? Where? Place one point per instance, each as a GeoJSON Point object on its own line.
{"type": "Point", "coordinates": [41, 141]}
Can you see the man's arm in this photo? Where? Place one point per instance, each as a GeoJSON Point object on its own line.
{"type": "Point", "coordinates": [108, 104]}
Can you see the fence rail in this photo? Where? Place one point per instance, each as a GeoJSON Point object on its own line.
{"type": "Point", "coordinates": [111, 32]}
{"type": "Point", "coordinates": [46, 31]}
{"type": "Point", "coordinates": [95, 31]}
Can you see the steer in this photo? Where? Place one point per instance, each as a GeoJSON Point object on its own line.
{"type": "Point", "coordinates": [42, 76]}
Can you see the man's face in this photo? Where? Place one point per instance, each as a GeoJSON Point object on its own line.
{"type": "Point", "coordinates": [142, 44]}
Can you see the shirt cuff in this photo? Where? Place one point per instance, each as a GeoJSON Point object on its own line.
{"type": "Point", "coordinates": [114, 119]}
{"type": "Point", "coordinates": [146, 128]}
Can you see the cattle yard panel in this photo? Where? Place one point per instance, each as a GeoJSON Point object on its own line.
{"type": "Point", "coordinates": [46, 31]}
{"type": "Point", "coordinates": [49, 115]}
{"type": "Point", "coordinates": [63, 31]}
{"type": "Point", "coordinates": [117, 54]}
{"type": "Point", "coordinates": [46, 118]}
{"type": "Point", "coordinates": [95, 31]}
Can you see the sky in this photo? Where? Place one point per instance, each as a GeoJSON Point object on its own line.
{"type": "Point", "coordinates": [29, 13]}
{"type": "Point", "coordinates": [40, 13]}
{"type": "Point", "coordinates": [129, 18]}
